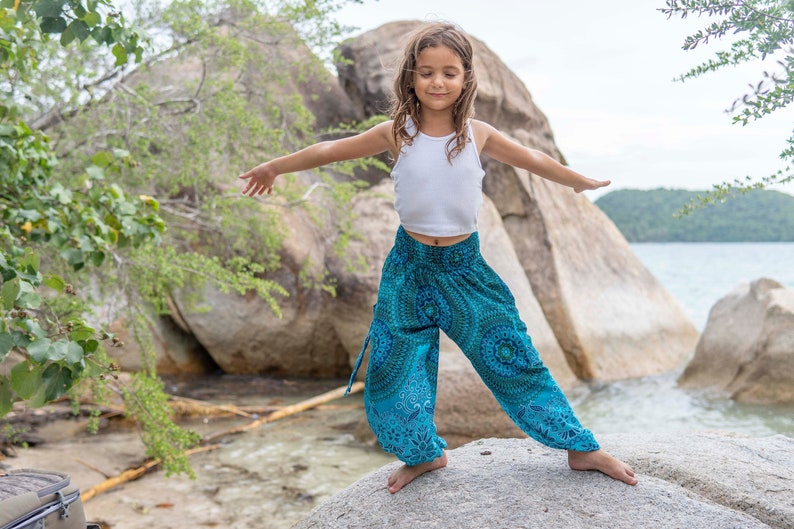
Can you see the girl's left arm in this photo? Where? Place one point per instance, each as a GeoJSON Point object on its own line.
{"type": "Point", "coordinates": [501, 148]}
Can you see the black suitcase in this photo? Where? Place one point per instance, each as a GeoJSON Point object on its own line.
{"type": "Point", "coordinates": [38, 499]}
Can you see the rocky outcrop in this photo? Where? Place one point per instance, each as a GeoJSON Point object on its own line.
{"type": "Point", "coordinates": [592, 309]}
{"type": "Point", "coordinates": [747, 347]}
{"type": "Point", "coordinates": [705, 480]}
{"type": "Point", "coordinates": [609, 314]}
{"type": "Point", "coordinates": [244, 335]}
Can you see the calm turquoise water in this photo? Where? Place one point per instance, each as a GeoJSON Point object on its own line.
{"type": "Point", "coordinates": [697, 275]}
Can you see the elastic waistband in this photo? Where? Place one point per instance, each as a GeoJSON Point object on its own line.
{"type": "Point", "coordinates": [462, 253]}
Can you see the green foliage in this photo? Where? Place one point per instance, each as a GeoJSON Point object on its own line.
{"type": "Point", "coordinates": [31, 29]}
{"type": "Point", "coordinates": [147, 402]}
{"type": "Point", "coordinates": [238, 102]}
{"type": "Point", "coordinates": [78, 221]}
{"type": "Point", "coordinates": [82, 197]}
{"type": "Point", "coordinates": [758, 30]}
{"type": "Point", "coordinates": [84, 226]}
{"type": "Point", "coordinates": [81, 200]}
{"type": "Point", "coordinates": [650, 216]}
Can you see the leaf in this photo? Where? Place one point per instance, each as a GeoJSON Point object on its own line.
{"type": "Point", "coordinates": [102, 159]}
{"type": "Point", "coordinates": [32, 260]}
{"type": "Point", "coordinates": [97, 258]}
{"type": "Point", "coordinates": [95, 173]}
{"type": "Point", "coordinates": [29, 300]}
{"type": "Point", "coordinates": [92, 19]}
{"type": "Point", "coordinates": [120, 53]}
{"type": "Point", "coordinates": [56, 381]}
{"type": "Point", "coordinates": [74, 353]}
{"type": "Point", "coordinates": [54, 282]}
{"type": "Point", "coordinates": [26, 379]}
{"type": "Point", "coordinates": [52, 25]}
{"type": "Point", "coordinates": [102, 35]}
{"type": "Point", "coordinates": [6, 343]}
{"type": "Point", "coordinates": [9, 293]}
{"type": "Point", "coordinates": [33, 328]}
{"type": "Point", "coordinates": [39, 350]}
{"type": "Point", "coordinates": [67, 37]}
{"type": "Point", "coordinates": [150, 201]}
{"type": "Point", "coordinates": [49, 8]}
{"type": "Point", "coordinates": [6, 396]}
{"type": "Point", "coordinates": [81, 334]}
{"type": "Point", "coordinates": [58, 350]}
{"type": "Point", "coordinates": [73, 256]}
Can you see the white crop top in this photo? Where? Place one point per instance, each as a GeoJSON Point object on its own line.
{"type": "Point", "coordinates": [432, 196]}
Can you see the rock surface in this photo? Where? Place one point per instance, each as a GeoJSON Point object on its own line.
{"type": "Point", "coordinates": [686, 480]}
{"type": "Point", "coordinates": [747, 347]}
{"type": "Point", "coordinates": [243, 334]}
{"type": "Point", "coordinates": [610, 315]}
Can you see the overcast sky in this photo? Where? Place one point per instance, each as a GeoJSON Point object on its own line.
{"type": "Point", "coordinates": [602, 72]}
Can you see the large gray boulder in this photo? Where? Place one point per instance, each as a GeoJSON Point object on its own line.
{"type": "Point", "coordinates": [704, 480]}
{"type": "Point", "coordinates": [747, 347]}
{"type": "Point", "coordinates": [612, 318]}
{"type": "Point", "coordinates": [244, 335]}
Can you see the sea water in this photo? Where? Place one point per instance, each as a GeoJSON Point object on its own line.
{"type": "Point", "coordinates": [697, 275]}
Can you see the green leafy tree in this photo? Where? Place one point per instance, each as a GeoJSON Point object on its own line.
{"type": "Point", "coordinates": [755, 30]}
{"type": "Point", "coordinates": [46, 220]}
{"type": "Point", "coordinates": [81, 197]}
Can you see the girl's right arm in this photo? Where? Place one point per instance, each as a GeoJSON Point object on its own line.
{"type": "Point", "coordinates": [374, 141]}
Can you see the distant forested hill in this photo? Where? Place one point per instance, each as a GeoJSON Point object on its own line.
{"type": "Point", "coordinates": [647, 216]}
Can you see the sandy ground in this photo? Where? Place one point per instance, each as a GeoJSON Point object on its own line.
{"type": "Point", "coordinates": [269, 478]}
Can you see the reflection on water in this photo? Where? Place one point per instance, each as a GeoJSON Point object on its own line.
{"type": "Point", "coordinates": [654, 404]}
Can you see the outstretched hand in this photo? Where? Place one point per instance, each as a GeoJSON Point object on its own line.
{"type": "Point", "coordinates": [589, 184]}
{"type": "Point", "coordinates": [260, 180]}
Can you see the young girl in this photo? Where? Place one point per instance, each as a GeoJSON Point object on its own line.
{"type": "Point", "coordinates": [434, 277]}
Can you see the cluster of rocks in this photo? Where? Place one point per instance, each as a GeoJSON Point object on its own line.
{"type": "Point", "coordinates": [593, 310]}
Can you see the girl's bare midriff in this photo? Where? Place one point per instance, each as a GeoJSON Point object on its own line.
{"type": "Point", "coordinates": [431, 240]}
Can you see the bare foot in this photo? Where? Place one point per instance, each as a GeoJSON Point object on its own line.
{"type": "Point", "coordinates": [603, 462]}
{"type": "Point", "coordinates": [406, 474]}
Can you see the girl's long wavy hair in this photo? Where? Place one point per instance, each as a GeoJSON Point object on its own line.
{"type": "Point", "coordinates": [405, 104]}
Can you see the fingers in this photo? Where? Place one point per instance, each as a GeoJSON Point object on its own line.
{"type": "Point", "coordinates": [253, 187]}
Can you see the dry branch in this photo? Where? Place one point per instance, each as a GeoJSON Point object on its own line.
{"type": "Point", "coordinates": [286, 411]}
{"type": "Point", "coordinates": [133, 474]}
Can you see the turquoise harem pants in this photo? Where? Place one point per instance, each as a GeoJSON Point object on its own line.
{"type": "Point", "coordinates": [427, 288]}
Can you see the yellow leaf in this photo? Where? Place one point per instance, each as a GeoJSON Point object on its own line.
{"type": "Point", "coordinates": [27, 227]}
{"type": "Point", "coordinates": [16, 4]}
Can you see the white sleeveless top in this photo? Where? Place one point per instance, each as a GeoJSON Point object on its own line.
{"type": "Point", "coordinates": [432, 196]}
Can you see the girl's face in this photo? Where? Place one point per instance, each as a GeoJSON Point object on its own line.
{"type": "Point", "coordinates": [438, 79]}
